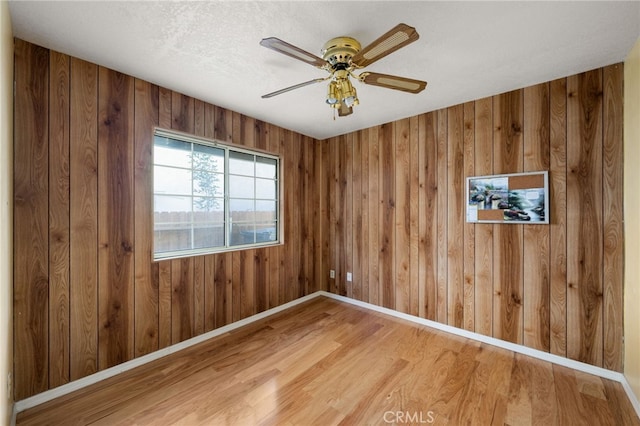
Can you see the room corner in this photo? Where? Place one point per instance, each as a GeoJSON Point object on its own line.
{"type": "Point", "coordinates": [6, 209]}
{"type": "Point", "coordinates": [632, 223]}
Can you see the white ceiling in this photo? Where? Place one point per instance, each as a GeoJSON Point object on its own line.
{"type": "Point", "coordinates": [210, 50]}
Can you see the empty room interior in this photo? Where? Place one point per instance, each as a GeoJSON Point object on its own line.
{"type": "Point", "coordinates": [319, 212]}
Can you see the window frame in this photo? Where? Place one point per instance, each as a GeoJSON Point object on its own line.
{"type": "Point", "coordinates": [228, 148]}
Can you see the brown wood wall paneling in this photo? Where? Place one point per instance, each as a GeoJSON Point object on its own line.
{"type": "Point", "coordinates": [385, 203]}
{"type": "Point", "coordinates": [59, 205]}
{"type": "Point", "coordinates": [115, 218]}
{"type": "Point", "coordinates": [552, 287]}
{"type": "Point", "coordinates": [87, 292]}
{"type": "Point", "coordinates": [31, 222]}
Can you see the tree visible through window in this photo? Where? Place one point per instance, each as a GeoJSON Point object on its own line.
{"type": "Point", "coordinates": [210, 197]}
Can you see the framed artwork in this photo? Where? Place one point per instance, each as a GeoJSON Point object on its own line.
{"type": "Point", "coordinates": [508, 198]}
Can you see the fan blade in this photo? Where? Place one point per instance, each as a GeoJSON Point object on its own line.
{"type": "Point", "coordinates": [394, 39]}
{"type": "Point", "coordinates": [393, 82]}
{"type": "Point", "coordinates": [297, 86]}
{"type": "Point", "coordinates": [285, 48]}
{"type": "Point", "coordinates": [344, 110]}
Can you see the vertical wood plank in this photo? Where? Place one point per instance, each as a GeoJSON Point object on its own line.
{"type": "Point", "coordinates": [455, 216]}
{"type": "Point", "coordinates": [337, 223]}
{"type": "Point", "coordinates": [423, 272]}
{"type": "Point", "coordinates": [613, 232]}
{"type": "Point", "coordinates": [584, 224]}
{"type": "Point", "coordinates": [331, 197]}
{"type": "Point", "coordinates": [199, 121]}
{"type": "Point", "coordinates": [59, 227]}
{"type": "Point", "coordinates": [115, 218]}
{"type": "Point", "coordinates": [365, 195]}
{"type": "Point", "coordinates": [356, 219]}
{"type": "Point", "coordinates": [468, 257]}
{"type": "Point", "coordinates": [312, 220]}
{"type": "Point", "coordinates": [223, 293]}
{"type": "Point", "coordinates": [374, 217]}
{"type": "Point", "coordinates": [84, 219]}
{"type": "Point", "coordinates": [31, 242]}
{"type": "Point", "coordinates": [414, 215]}
{"type": "Point", "coordinates": [182, 113]}
{"type": "Point", "coordinates": [429, 217]}
{"type": "Point", "coordinates": [209, 293]}
{"type": "Point", "coordinates": [198, 295]}
{"type": "Point", "coordinates": [164, 304]}
{"type": "Point", "coordinates": [306, 234]}
{"type": "Point", "coordinates": [507, 248]}
{"type": "Point", "coordinates": [558, 217]}
{"type": "Point", "coordinates": [146, 272]}
{"type": "Point", "coordinates": [295, 260]}
{"type": "Point", "coordinates": [261, 269]}
{"type": "Point", "coordinates": [402, 216]}
{"type": "Point", "coordinates": [441, 233]}
{"type": "Point", "coordinates": [345, 201]}
{"type": "Point", "coordinates": [536, 286]}
{"type": "Point", "coordinates": [182, 319]}
{"type": "Point", "coordinates": [484, 232]}
{"type": "Point", "coordinates": [209, 121]}
{"type": "Point", "coordinates": [320, 263]}
{"type": "Point", "coordinates": [244, 276]}
{"type": "Point", "coordinates": [289, 274]}
{"type": "Point", "coordinates": [386, 242]}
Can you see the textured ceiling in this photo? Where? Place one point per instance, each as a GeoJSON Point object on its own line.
{"type": "Point", "coordinates": [210, 50]}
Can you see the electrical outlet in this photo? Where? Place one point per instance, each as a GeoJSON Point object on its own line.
{"type": "Point", "coordinates": [332, 274]}
{"type": "Point", "coordinates": [349, 277]}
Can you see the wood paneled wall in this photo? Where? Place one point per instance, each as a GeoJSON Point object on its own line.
{"type": "Point", "coordinates": [397, 217]}
{"type": "Point", "coordinates": [87, 295]}
{"type": "Point", "coordinates": [385, 203]}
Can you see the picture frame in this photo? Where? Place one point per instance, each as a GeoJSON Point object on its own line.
{"type": "Point", "coordinates": [515, 198]}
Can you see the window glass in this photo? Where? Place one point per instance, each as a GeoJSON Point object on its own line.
{"type": "Point", "coordinates": [211, 197]}
{"type": "Point", "coordinates": [266, 189]}
{"type": "Point", "coordinates": [241, 164]}
{"type": "Point", "coordinates": [266, 167]}
{"type": "Point", "coordinates": [169, 180]}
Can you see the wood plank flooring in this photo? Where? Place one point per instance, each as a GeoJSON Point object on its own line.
{"type": "Point", "coordinates": [327, 362]}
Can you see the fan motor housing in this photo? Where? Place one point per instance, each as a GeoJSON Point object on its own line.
{"type": "Point", "coordinates": [339, 50]}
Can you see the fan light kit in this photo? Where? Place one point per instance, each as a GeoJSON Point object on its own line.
{"type": "Point", "coordinates": [341, 56]}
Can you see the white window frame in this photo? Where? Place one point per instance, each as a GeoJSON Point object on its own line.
{"type": "Point", "coordinates": [228, 148]}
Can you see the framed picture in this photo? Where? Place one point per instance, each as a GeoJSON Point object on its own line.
{"type": "Point", "coordinates": [508, 198]}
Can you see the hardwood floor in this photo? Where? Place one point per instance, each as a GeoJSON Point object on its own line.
{"type": "Point", "coordinates": [327, 362]}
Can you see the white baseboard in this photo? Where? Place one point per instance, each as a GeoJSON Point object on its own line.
{"type": "Point", "coordinates": [43, 397]}
{"type": "Point", "coordinates": [632, 396]}
{"type": "Point", "coordinates": [14, 415]}
{"type": "Point", "coordinates": [544, 356]}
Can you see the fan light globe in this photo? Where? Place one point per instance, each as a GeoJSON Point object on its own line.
{"type": "Point", "coordinates": [333, 95]}
{"type": "Point", "coordinates": [349, 95]}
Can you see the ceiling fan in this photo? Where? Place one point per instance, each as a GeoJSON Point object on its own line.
{"type": "Point", "coordinates": [341, 56]}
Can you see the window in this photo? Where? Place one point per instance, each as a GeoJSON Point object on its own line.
{"type": "Point", "coordinates": [210, 197]}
